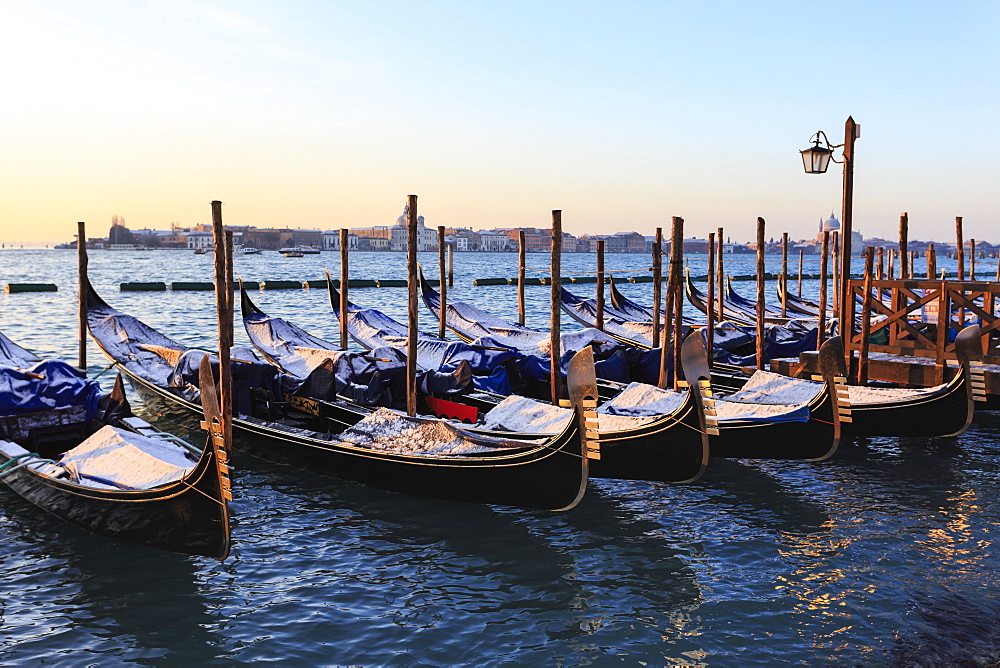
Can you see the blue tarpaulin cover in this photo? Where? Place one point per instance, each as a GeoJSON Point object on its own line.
{"type": "Point", "coordinates": [60, 386]}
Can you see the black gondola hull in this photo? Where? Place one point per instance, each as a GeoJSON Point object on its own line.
{"type": "Point", "coordinates": [551, 478]}
{"type": "Point", "coordinates": [188, 516]}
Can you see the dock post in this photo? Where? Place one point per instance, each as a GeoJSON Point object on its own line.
{"type": "Point", "coordinates": [838, 277]}
{"type": "Point", "coordinates": [801, 253]}
{"type": "Point", "coordinates": [904, 231]}
{"type": "Point", "coordinates": [677, 269]}
{"type": "Point", "coordinates": [81, 266]}
{"type": "Point", "coordinates": [673, 275]}
{"type": "Point", "coordinates": [720, 279]}
{"type": "Point", "coordinates": [520, 276]}
{"type": "Point", "coordinates": [411, 320]}
{"type": "Point", "coordinates": [224, 309]}
{"type": "Point", "coordinates": [443, 310]}
{"type": "Point", "coordinates": [784, 274]}
{"type": "Point", "coordinates": [866, 318]}
{"type": "Point", "coordinates": [821, 325]}
{"type": "Point", "coordinates": [931, 263]}
{"type": "Point", "coordinates": [760, 293]}
{"type": "Point", "coordinates": [880, 271]}
{"type": "Point", "coordinates": [451, 266]}
{"type": "Point", "coordinates": [555, 314]}
{"type": "Point", "coordinates": [891, 270]}
{"type": "Point", "coordinates": [344, 269]}
{"type": "Point", "coordinates": [959, 248]}
{"type": "Point", "coordinates": [600, 284]}
{"type": "Point", "coordinates": [710, 311]}
{"type": "Point", "coordinates": [972, 259]}
{"type": "Point", "coordinates": [657, 284]}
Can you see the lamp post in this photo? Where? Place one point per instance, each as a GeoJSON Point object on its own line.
{"type": "Point", "coordinates": [815, 160]}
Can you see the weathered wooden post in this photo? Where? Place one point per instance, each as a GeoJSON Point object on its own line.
{"type": "Point", "coordinates": [760, 293]}
{"type": "Point", "coordinates": [784, 274]}
{"type": "Point", "coordinates": [344, 271]}
{"type": "Point", "coordinates": [972, 259]}
{"type": "Point", "coordinates": [880, 271]}
{"type": "Point", "coordinates": [443, 312]}
{"type": "Point", "coordinates": [673, 279]}
{"type": "Point", "coordinates": [451, 266]}
{"type": "Point", "coordinates": [81, 267]}
{"type": "Point", "coordinates": [710, 311]}
{"type": "Point", "coordinates": [959, 248]}
{"type": "Point", "coordinates": [891, 271]}
{"type": "Point", "coordinates": [837, 276]}
{"type": "Point", "coordinates": [521, 261]}
{"type": "Point", "coordinates": [931, 263]}
{"type": "Point", "coordinates": [904, 265]}
{"type": "Point", "coordinates": [677, 269]}
{"type": "Point", "coordinates": [411, 321]}
{"type": "Point", "coordinates": [801, 254]}
{"type": "Point", "coordinates": [224, 310]}
{"type": "Point", "coordinates": [657, 284]}
{"type": "Point", "coordinates": [555, 313]}
{"type": "Point", "coordinates": [866, 317]}
{"type": "Point", "coordinates": [600, 284]}
{"type": "Point", "coordinates": [821, 325]}
{"type": "Point", "coordinates": [720, 279]}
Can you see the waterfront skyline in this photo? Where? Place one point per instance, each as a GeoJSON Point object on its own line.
{"type": "Point", "coordinates": [313, 115]}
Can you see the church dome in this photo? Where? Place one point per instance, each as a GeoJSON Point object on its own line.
{"type": "Point", "coordinates": [831, 224]}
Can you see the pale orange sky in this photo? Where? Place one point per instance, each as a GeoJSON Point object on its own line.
{"type": "Point", "coordinates": [305, 114]}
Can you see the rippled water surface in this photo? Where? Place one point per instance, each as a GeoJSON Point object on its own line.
{"type": "Point", "coordinates": [884, 554]}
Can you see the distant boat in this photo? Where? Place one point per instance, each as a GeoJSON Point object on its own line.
{"type": "Point", "coordinates": [291, 253]}
{"type": "Point", "coordinates": [247, 250]}
{"type": "Point", "coordinates": [200, 251]}
{"type": "Point", "coordinates": [305, 250]}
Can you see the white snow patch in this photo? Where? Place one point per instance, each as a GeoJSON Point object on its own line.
{"type": "Point", "coordinates": [389, 431]}
{"type": "Point", "coordinates": [126, 458]}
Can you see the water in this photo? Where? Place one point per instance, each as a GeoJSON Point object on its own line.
{"type": "Point", "coordinates": [883, 555]}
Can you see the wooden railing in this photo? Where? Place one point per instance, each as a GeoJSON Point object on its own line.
{"type": "Point", "coordinates": [920, 318]}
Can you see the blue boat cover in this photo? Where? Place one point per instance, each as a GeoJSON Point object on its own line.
{"type": "Point", "coordinates": [48, 385]}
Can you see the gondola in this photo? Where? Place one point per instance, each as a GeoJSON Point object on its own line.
{"type": "Point", "coordinates": [85, 458]}
{"type": "Point", "coordinates": [748, 306]}
{"type": "Point", "coordinates": [667, 447]}
{"type": "Point", "coordinates": [638, 334]}
{"type": "Point", "coordinates": [634, 312]}
{"type": "Point", "coordinates": [800, 305]}
{"type": "Point", "coordinates": [766, 429]}
{"type": "Point", "coordinates": [812, 416]}
{"type": "Point", "coordinates": [549, 473]}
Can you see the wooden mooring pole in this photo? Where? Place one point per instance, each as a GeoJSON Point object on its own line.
{"type": "Point", "coordinates": [451, 266]}
{"type": "Point", "coordinates": [555, 313]}
{"type": "Point", "coordinates": [720, 278]}
{"type": "Point", "coordinates": [931, 262]}
{"type": "Point", "coordinates": [224, 310]}
{"type": "Point", "coordinates": [667, 375]}
{"type": "Point", "coordinates": [866, 317]}
{"type": "Point", "coordinates": [824, 255]}
{"type": "Point", "coordinates": [344, 272]}
{"type": "Point", "coordinates": [657, 284]}
{"type": "Point", "coordinates": [880, 271]}
{"type": "Point", "coordinates": [801, 254]}
{"type": "Point", "coordinates": [677, 278]}
{"type": "Point", "coordinates": [81, 267]}
{"type": "Point", "coordinates": [959, 248]}
{"type": "Point", "coordinates": [904, 233]}
{"type": "Point", "coordinates": [710, 311]}
{"type": "Point", "coordinates": [837, 276]}
{"type": "Point", "coordinates": [411, 320]}
{"type": "Point", "coordinates": [442, 283]}
{"type": "Point", "coordinates": [784, 274]}
{"type": "Point", "coordinates": [760, 293]}
{"type": "Point", "coordinates": [972, 259]}
{"type": "Point", "coordinates": [600, 284]}
{"type": "Point", "coordinates": [520, 276]}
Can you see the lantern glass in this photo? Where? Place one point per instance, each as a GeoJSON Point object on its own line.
{"type": "Point", "coordinates": [816, 159]}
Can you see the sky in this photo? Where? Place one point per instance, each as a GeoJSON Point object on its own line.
{"type": "Point", "coordinates": [622, 115]}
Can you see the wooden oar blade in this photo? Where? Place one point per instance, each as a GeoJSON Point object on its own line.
{"type": "Point", "coordinates": [209, 395]}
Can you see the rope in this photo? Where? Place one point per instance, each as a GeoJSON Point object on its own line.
{"type": "Point", "coordinates": [104, 370]}
{"type": "Point", "coordinates": [29, 458]}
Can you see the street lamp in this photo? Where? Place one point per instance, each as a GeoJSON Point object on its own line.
{"type": "Point", "coordinates": [815, 160]}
